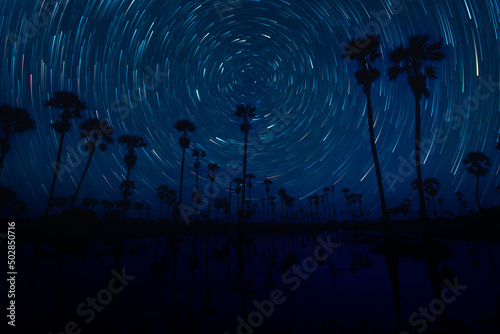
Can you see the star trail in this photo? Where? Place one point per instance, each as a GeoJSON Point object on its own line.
{"type": "Point", "coordinates": [146, 64]}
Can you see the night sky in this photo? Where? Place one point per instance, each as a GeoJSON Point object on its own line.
{"type": "Point", "coordinates": [146, 64]}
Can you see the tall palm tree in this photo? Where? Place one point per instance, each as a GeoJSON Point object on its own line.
{"type": "Point", "coordinates": [92, 126]}
{"type": "Point", "coordinates": [212, 167]}
{"type": "Point", "coordinates": [245, 112]}
{"type": "Point", "coordinates": [71, 107]}
{"type": "Point", "coordinates": [477, 163]}
{"type": "Point", "coordinates": [183, 126]}
{"type": "Point", "coordinates": [346, 195]}
{"type": "Point", "coordinates": [416, 61]}
{"type": "Point", "coordinates": [333, 203]}
{"type": "Point", "coordinates": [131, 142]}
{"type": "Point", "coordinates": [12, 120]}
{"type": "Point", "coordinates": [282, 194]}
{"type": "Point", "coordinates": [267, 183]}
{"type": "Point", "coordinates": [250, 177]}
{"type": "Point", "coordinates": [197, 197]}
{"type": "Point", "coordinates": [366, 75]}
{"type": "Point", "coordinates": [441, 202]}
{"type": "Point", "coordinates": [431, 187]}
{"type": "Point", "coordinates": [326, 190]}
{"type": "Point", "coordinates": [238, 181]}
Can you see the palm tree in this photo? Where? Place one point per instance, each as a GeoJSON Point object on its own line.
{"type": "Point", "coordinates": [183, 126]}
{"type": "Point", "coordinates": [431, 187]}
{"type": "Point", "coordinates": [92, 126]}
{"type": "Point", "coordinates": [131, 142]}
{"type": "Point", "coordinates": [245, 112]}
{"type": "Point", "coordinates": [366, 75]}
{"type": "Point", "coordinates": [250, 176]}
{"type": "Point", "coordinates": [477, 163]}
{"type": "Point", "coordinates": [460, 196]}
{"type": "Point", "coordinates": [170, 200]}
{"type": "Point", "coordinates": [416, 61]}
{"type": "Point", "coordinates": [162, 193]}
{"type": "Point", "coordinates": [12, 120]}
{"type": "Point", "coordinates": [238, 181]}
{"type": "Point", "coordinates": [326, 190]}
{"type": "Point", "coordinates": [262, 202]}
{"type": "Point", "coordinates": [282, 194]}
{"type": "Point", "coordinates": [197, 197]}
{"type": "Point", "coordinates": [267, 183]}
{"type": "Point", "coordinates": [333, 203]}
{"type": "Point", "coordinates": [71, 107]}
{"type": "Point", "coordinates": [138, 206]}
{"type": "Point", "coordinates": [346, 195]}
{"type": "Point", "coordinates": [212, 167]}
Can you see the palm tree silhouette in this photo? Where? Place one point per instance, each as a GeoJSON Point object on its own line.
{"type": "Point", "coordinates": [197, 197]}
{"type": "Point", "coordinates": [91, 129]}
{"type": "Point", "coordinates": [71, 107]}
{"type": "Point", "coordinates": [183, 126]}
{"type": "Point", "coordinates": [346, 195]}
{"type": "Point", "coordinates": [477, 163]}
{"type": "Point", "coordinates": [250, 176]}
{"type": "Point", "coordinates": [212, 167]}
{"type": "Point", "coordinates": [441, 202]}
{"type": "Point", "coordinates": [431, 187]}
{"type": "Point", "coordinates": [333, 203]}
{"type": "Point", "coordinates": [416, 61]}
{"type": "Point", "coordinates": [12, 120]}
{"type": "Point", "coordinates": [267, 183]}
{"type": "Point", "coordinates": [282, 194]}
{"type": "Point", "coordinates": [131, 142]}
{"type": "Point", "coordinates": [245, 112]}
{"type": "Point", "coordinates": [365, 76]}
{"type": "Point", "coordinates": [326, 190]}
{"type": "Point", "coordinates": [460, 196]}
{"type": "Point", "coordinates": [238, 181]}
{"type": "Point", "coordinates": [162, 193]}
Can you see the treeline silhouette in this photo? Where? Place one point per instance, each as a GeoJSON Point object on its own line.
{"type": "Point", "coordinates": [416, 61]}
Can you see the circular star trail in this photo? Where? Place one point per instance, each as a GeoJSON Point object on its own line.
{"type": "Point", "coordinates": [144, 65]}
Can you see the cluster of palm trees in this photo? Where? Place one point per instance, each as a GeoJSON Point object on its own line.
{"type": "Point", "coordinates": [415, 61]}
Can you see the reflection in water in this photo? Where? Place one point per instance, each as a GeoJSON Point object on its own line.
{"type": "Point", "coordinates": [217, 283]}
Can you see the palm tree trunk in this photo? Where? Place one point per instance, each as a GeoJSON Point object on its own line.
{"type": "Point", "coordinates": [267, 199]}
{"type": "Point", "coordinates": [244, 177]}
{"type": "Point", "coordinates": [434, 205]}
{"type": "Point", "coordinates": [230, 195]}
{"type": "Point", "coordinates": [477, 195]}
{"type": "Point", "coordinates": [196, 198]}
{"type": "Point", "coordinates": [421, 196]}
{"type": "Point", "coordinates": [5, 146]}
{"type": "Point", "coordinates": [54, 178]}
{"type": "Point", "coordinates": [83, 175]}
{"type": "Point", "coordinates": [334, 211]}
{"type": "Point", "coordinates": [161, 207]}
{"type": "Point", "coordinates": [385, 212]}
{"type": "Point", "coordinates": [180, 187]}
{"type": "Point", "coordinates": [209, 200]}
{"type": "Point", "coordinates": [125, 197]}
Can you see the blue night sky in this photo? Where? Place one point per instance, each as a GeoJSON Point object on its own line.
{"type": "Point", "coordinates": [144, 65]}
